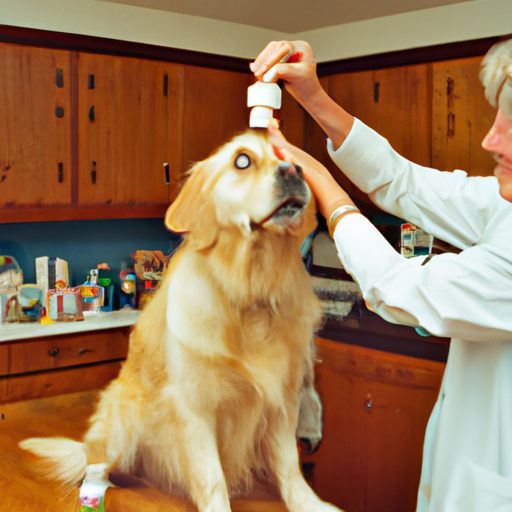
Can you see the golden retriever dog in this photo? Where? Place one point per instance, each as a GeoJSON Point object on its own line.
{"type": "Point", "coordinates": [209, 395]}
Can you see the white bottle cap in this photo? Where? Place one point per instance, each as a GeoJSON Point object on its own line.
{"type": "Point", "coordinates": [264, 95]}
{"type": "Point", "coordinates": [260, 117]}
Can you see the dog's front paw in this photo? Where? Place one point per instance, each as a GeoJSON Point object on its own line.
{"type": "Point", "coordinates": [310, 445]}
{"type": "Point", "coordinates": [309, 427]}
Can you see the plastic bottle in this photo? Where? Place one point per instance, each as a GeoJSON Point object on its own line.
{"type": "Point", "coordinates": [264, 98]}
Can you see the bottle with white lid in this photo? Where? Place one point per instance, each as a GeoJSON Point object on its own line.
{"type": "Point", "coordinates": [264, 98]}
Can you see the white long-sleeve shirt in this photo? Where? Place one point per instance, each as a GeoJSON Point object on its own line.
{"type": "Point", "coordinates": [467, 459]}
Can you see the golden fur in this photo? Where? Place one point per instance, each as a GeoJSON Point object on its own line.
{"type": "Point", "coordinates": [210, 391]}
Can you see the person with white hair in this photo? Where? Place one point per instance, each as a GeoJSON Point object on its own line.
{"type": "Point", "coordinates": [467, 457]}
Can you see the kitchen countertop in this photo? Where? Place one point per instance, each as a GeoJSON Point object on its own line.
{"type": "Point", "coordinates": [352, 323]}
{"type": "Point", "coordinates": [92, 322]}
{"type": "Point", "coordinates": [364, 328]}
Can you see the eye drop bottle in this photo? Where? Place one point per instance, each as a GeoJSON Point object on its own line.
{"type": "Point", "coordinates": [264, 98]}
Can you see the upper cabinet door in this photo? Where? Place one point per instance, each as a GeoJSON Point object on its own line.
{"type": "Point", "coordinates": [461, 117]}
{"type": "Point", "coordinates": [127, 152]}
{"type": "Point", "coordinates": [395, 102]}
{"type": "Point", "coordinates": [215, 109]}
{"type": "Point", "coordinates": [35, 127]}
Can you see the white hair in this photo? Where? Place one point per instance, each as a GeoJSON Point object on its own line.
{"type": "Point", "coordinates": [496, 69]}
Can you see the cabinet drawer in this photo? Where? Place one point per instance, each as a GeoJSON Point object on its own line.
{"type": "Point", "coordinates": [68, 350]}
{"type": "Point", "coordinates": [70, 380]}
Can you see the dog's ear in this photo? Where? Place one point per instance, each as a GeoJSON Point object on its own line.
{"type": "Point", "coordinates": [192, 211]}
{"type": "Point", "coordinates": [180, 216]}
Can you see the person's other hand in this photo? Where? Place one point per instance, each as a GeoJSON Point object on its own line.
{"type": "Point", "coordinates": [328, 193]}
{"type": "Point", "coordinates": [294, 63]}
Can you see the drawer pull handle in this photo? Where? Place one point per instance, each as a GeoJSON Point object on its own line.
{"type": "Point", "coordinates": [376, 87]}
{"type": "Point", "coordinates": [82, 351]}
{"type": "Point", "coordinates": [166, 84]}
{"type": "Point", "coordinates": [166, 173]}
{"type": "Point", "coordinates": [53, 352]}
{"type": "Point", "coordinates": [59, 78]}
{"type": "Point", "coordinates": [93, 173]}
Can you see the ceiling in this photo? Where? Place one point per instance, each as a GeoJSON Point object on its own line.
{"type": "Point", "coordinates": [289, 16]}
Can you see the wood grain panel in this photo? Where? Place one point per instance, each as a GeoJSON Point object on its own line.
{"type": "Point", "coordinates": [376, 407]}
{"type": "Point", "coordinates": [215, 109]}
{"type": "Point", "coordinates": [52, 383]}
{"type": "Point", "coordinates": [4, 359]}
{"type": "Point", "coordinates": [66, 415]}
{"type": "Point", "coordinates": [21, 487]}
{"type": "Point", "coordinates": [35, 132]}
{"type": "Point", "coordinates": [68, 350]}
{"type": "Point", "coordinates": [461, 118]}
{"type": "Point", "coordinates": [124, 139]}
{"type": "Point", "coordinates": [395, 102]}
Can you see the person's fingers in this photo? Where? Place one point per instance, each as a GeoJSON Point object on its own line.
{"type": "Point", "coordinates": [275, 135]}
{"type": "Point", "coordinates": [273, 53]}
{"type": "Point", "coordinates": [327, 191]}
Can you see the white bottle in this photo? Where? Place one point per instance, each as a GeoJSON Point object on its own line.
{"type": "Point", "coordinates": [264, 98]}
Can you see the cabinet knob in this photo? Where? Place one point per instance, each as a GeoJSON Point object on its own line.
{"type": "Point", "coordinates": [53, 352]}
{"type": "Point", "coordinates": [60, 177]}
{"type": "Point", "coordinates": [92, 115]}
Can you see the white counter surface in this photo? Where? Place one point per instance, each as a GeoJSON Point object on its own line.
{"type": "Point", "coordinates": [92, 322]}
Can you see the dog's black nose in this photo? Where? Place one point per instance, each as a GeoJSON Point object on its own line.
{"type": "Point", "coordinates": [289, 168]}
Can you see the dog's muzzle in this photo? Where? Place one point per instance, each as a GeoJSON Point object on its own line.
{"type": "Point", "coordinates": [291, 193]}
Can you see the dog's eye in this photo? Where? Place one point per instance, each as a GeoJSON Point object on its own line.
{"type": "Point", "coordinates": [242, 161]}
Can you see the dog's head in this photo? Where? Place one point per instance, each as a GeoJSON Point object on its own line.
{"type": "Point", "coordinates": [246, 186]}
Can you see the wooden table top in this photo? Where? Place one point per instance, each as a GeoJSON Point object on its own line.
{"type": "Point", "coordinates": [22, 490]}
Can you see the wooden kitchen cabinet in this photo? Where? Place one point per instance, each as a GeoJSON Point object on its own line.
{"type": "Point", "coordinates": [376, 408]}
{"type": "Point", "coordinates": [55, 365]}
{"type": "Point", "coordinates": [107, 135]}
{"type": "Point", "coordinates": [214, 110]}
{"type": "Point", "coordinates": [394, 101]}
{"type": "Point", "coordinates": [129, 117]}
{"type": "Point", "coordinates": [461, 117]}
{"type": "Point", "coordinates": [35, 127]}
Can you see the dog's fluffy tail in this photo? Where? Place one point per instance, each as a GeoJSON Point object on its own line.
{"type": "Point", "coordinates": [62, 459]}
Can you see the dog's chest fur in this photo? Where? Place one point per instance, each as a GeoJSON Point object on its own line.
{"type": "Point", "coordinates": [256, 343]}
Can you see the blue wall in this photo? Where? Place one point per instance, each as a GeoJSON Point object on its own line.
{"type": "Point", "coordinates": [84, 244]}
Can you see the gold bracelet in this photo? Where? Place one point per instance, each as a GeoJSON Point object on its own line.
{"type": "Point", "coordinates": [338, 214]}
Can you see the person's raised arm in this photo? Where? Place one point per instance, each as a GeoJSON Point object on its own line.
{"type": "Point", "coordinates": [294, 63]}
{"type": "Point", "coordinates": [332, 201]}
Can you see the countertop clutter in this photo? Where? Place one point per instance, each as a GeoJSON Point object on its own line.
{"type": "Point", "coordinates": [92, 322]}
